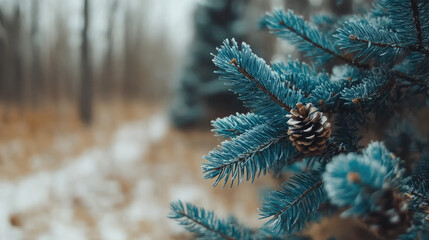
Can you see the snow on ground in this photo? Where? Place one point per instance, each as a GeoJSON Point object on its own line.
{"type": "Point", "coordinates": [120, 187]}
{"type": "Point", "coordinates": [48, 199]}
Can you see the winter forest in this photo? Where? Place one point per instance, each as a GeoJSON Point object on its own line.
{"type": "Point", "coordinates": [214, 119]}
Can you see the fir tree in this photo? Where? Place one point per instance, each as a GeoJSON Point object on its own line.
{"type": "Point", "coordinates": [199, 90]}
{"type": "Point", "coordinates": [314, 114]}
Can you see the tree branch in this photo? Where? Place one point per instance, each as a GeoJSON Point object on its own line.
{"type": "Point", "coordinates": [206, 226]}
{"type": "Point", "coordinates": [342, 57]}
{"type": "Point", "coordinates": [392, 45]}
{"type": "Point", "coordinates": [297, 200]}
{"type": "Point", "coordinates": [262, 88]}
{"type": "Point", "coordinates": [416, 21]}
{"type": "Point", "coordinates": [409, 78]}
{"type": "Point", "coordinates": [293, 87]}
{"type": "Point", "coordinates": [244, 157]}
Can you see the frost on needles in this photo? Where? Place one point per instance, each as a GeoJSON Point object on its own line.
{"type": "Point", "coordinates": [371, 65]}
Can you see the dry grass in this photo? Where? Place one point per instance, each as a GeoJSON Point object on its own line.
{"type": "Point", "coordinates": [173, 162]}
{"type": "Point", "coordinates": [39, 139]}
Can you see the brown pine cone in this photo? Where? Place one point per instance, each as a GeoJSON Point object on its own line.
{"type": "Point", "coordinates": [392, 219]}
{"type": "Point", "coordinates": [309, 129]}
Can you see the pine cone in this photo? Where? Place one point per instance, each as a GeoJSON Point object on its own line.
{"type": "Point", "coordinates": [308, 129]}
{"type": "Point", "coordinates": [392, 218]}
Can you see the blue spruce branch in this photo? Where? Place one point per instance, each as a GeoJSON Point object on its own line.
{"type": "Point", "coordinates": [248, 155]}
{"type": "Point", "coordinates": [235, 125]}
{"type": "Point", "coordinates": [300, 75]}
{"type": "Point", "coordinates": [372, 91]}
{"type": "Point", "coordinates": [205, 223]}
{"type": "Point", "coordinates": [258, 86]}
{"type": "Point", "coordinates": [407, 17]}
{"type": "Point", "coordinates": [347, 127]}
{"type": "Point", "coordinates": [293, 205]}
{"type": "Point", "coordinates": [306, 37]}
{"type": "Point", "coordinates": [355, 180]}
{"type": "Point", "coordinates": [369, 42]}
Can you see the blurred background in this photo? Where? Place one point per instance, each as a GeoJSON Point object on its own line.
{"type": "Point", "coordinates": [105, 109]}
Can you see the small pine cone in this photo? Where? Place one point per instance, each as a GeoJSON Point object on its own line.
{"type": "Point", "coordinates": [392, 218]}
{"type": "Point", "coordinates": [309, 129]}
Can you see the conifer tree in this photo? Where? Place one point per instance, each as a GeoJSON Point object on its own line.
{"type": "Point", "coordinates": [309, 118]}
{"type": "Point", "coordinates": [199, 90]}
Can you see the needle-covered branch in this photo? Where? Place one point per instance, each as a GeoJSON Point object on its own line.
{"type": "Point", "coordinates": [248, 155]}
{"type": "Point", "coordinates": [206, 224]}
{"type": "Point", "coordinates": [256, 84]}
{"type": "Point", "coordinates": [290, 207]}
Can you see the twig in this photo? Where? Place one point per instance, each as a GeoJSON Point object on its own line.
{"type": "Point", "coordinates": [262, 88]}
{"type": "Point", "coordinates": [297, 200]}
{"type": "Point", "coordinates": [206, 226]}
{"type": "Point", "coordinates": [342, 57]}
{"type": "Point", "coordinates": [416, 21]}
{"type": "Point", "coordinates": [392, 45]}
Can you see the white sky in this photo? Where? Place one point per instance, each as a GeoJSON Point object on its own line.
{"type": "Point", "coordinates": [171, 19]}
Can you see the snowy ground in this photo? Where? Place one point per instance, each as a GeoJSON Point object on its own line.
{"type": "Point", "coordinates": [120, 188]}
{"type": "Point", "coordinates": [43, 205]}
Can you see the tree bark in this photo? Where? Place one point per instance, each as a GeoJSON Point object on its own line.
{"type": "Point", "coordinates": [17, 61]}
{"type": "Point", "coordinates": [108, 72]}
{"type": "Point", "coordinates": [37, 81]}
{"type": "Point", "coordinates": [86, 94]}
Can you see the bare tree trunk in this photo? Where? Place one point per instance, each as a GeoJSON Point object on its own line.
{"type": "Point", "coordinates": [129, 61]}
{"type": "Point", "coordinates": [132, 56]}
{"type": "Point", "coordinates": [3, 56]}
{"type": "Point", "coordinates": [17, 61]}
{"type": "Point", "coordinates": [37, 81]}
{"type": "Point", "coordinates": [86, 95]}
{"type": "Point", "coordinates": [108, 71]}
